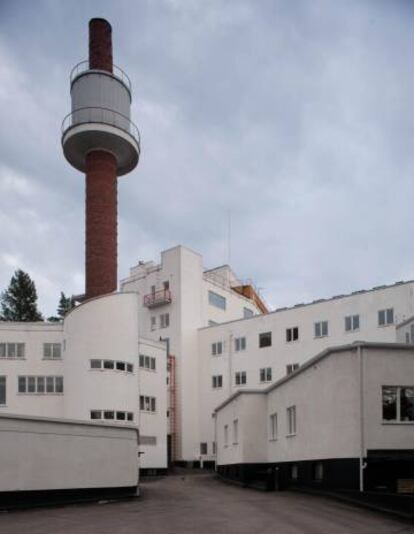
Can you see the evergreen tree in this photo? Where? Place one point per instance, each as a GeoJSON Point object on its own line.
{"type": "Point", "coordinates": [65, 305]}
{"type": "Point", "coordinates": [19, 301]}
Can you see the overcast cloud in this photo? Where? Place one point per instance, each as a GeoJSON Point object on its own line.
{"type": "Point", "coordinates": [294, 115]}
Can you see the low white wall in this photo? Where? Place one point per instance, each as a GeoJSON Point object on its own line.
{"type": "Point", "coordinates": [51, 454]}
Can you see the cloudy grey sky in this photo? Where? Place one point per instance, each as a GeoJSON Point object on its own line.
{"type": "Point", "coordinates": [294, 115]}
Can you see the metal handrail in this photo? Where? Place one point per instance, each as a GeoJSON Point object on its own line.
{"type": "Point", "coordinates": [83, 66]}
{"type": "Point", "coordinates": [101, 116]}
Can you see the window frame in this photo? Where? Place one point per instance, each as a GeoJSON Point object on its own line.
{"type": "Point", "coordinates": [319, 325]}
{"type": "Point", "coordinates": [262, 337]}
{"type": "Point", "coordinates": [291, 420]}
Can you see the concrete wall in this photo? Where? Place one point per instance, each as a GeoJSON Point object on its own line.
{"type": "Point", "coordinates": [46, 454]}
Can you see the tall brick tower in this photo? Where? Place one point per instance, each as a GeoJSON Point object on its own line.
{"type": "Point", "coordinates": [99, 139]}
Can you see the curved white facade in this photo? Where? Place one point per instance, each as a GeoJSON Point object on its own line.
{"type": "Point", "coordinates": [105, 328]}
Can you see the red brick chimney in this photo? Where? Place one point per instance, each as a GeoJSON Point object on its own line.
{"type": "Point", "coordinates": [101, 187]}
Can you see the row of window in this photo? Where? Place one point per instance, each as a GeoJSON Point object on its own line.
{"type": "Point", "coordinates": [321, 329]}
{"type": "Point", "coordinates": [240, 377]}
{"type": "Point", "coordinates": [163, 321]}
{"type": "Point", "coordinates": [112, 364]}
{"type": "Point", "coordinates": [147, 404]}
{"type": "Point", "coordinates": [147, 362]}
{"type": "Point", "coordinates": [111, 415]}
{"type": "Point", "coordinates": [51, 351]}
{"type": "Point", "coordinates": [40, 384]}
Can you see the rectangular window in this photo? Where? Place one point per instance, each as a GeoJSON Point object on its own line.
{"type": "Point", "coordinates": [265, 339]}
{"type": "Point", "coordinates": [147, 404]}
{"type": "Point", "coordinates": [2, 390]}
{"type": "Point", "coordinates": [239, 344]}
{"type": "Point", "coordinates": [226, 435]}
{"type": "Point", "coordinates": [52, 351]}
{"type": "Point", "coordinates": [41, 384]}
{"type": "Point", "coordinates": [59, 384]}
{"type": "Point", "coordinates": [273, 426]}
{"type": "Point", "coordinates": [321, 329]}
{"type": "Point", "coordinates": [351, 323]}
{"type": "Point", "coordinates": [266, 374]}
{"type": "Point", "coordinates": [240, 378]}
{"type": "Point", "coordinates": [386, 317]}
{"type": "Point", "coordinates": [291, 368]}
{"type": "Point", "coordinates": [398, 403]}
{"type": "Point", "coordinates": [247, 313]}
{"type": "Point", "coordinates": [96, 364]}
{"type": "Point", "coordinates": [130, 416]}
{"type": "Point", "coordinates": [120, 416]}
{"type": "Point", "coordinates": [203, 448]}
{"type": "Point", "coordinates": [109, 414]}
{"type": "Point", "coordinates": [164, 320]}
{"type": "Point", "coordinates": [291, 420]}
{"type": "Point", "coordinates": [216, 300]}
{"type": "Point", "coordinates": [146, 362]}
{"type": "Point", "coordinates": [31, 384]}
{"type": "Point", "coordinates": [96, 414]}
{"type": "Point", "coordinates": [120, 366]}
{"type": "Point", "coordinates": [109, 364]}
{"type": "Point", "coordinates": [217, 381]}
{"type": "Point", "coordinates": [166, 285]}
{"type": "Point", "coordinates": [292, 334]}
{"type": "Point", "coordinates": [22, 384]}
{"type": "Point", "coordinates": [235, 432]}
{"type": "Point", "coordinates": [217, 348]}
{"type": "Point", "coordinates": [213, 443]}
{"type": "Point", "coordinates": [153, 323]}
{"type": "Point", "coordinates": [50, 384]}
{"type": "Point", "coordinates": [12, 350]}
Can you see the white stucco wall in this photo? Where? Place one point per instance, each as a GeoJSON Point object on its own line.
{"type": "Point", "coordinates": [48, 454]}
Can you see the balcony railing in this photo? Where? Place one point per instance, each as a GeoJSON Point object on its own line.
{"type": "Point", "coordinates": [100, 115]}
{"type": "Point", "coordinates": [117, 72]}
{"type": "Point", "coordinates": [157, 298]}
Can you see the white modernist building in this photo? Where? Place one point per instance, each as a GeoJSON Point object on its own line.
{"type": "Point", "coordinates": [108, 360]}
{"type": "Point", "coordinates": [92, 366]}
{"type": "Point", "coordinates": [344, 420]}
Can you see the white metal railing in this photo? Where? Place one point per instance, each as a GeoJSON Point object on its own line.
{"type": "Point", "coordinates": [101, 116]}
{"type": "Point", "coordinates": [117, 72]}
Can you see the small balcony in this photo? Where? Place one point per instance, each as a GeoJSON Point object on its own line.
{"type": "Point", "coordinates": [157, 298]}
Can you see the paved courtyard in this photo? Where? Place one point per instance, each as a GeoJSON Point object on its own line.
{"type": "Point", "coordinates": [197, 504]}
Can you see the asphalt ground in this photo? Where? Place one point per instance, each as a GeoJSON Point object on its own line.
{"type": "Point", "coordinates": [198, 504]}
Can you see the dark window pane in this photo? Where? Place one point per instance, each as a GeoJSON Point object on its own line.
{"type": "Point", "coordinates": [265, 339]}
{"type": "Point", "coordinates": [2, 390]}
{"type": "Point", "coordinates": [22, 384]}
{"type": "Point", "coordinates": [40, 384]}
{"type": "Point", "coordinates": [108, 364]}
{"type": "Point", "coordinates": [109, 415]}
{"type": "Point", "coordinates": [130, 368]}
{"type": "Point", "coordinates": [59, 384]}
{"type": "Point", "coordinates": [120, 416]}
{"type": "Point", "coordinates": [31, 387]}
{"type": "Point", "coordinates": [96, 414]}
{"type": "Point", "coordinates": [389, 403]}
{"type": "Point", "coordinates": [120, 366]}
{"type": "Point", "coordinates": [407, 404]}
{"type": "Point", "coordinates": [50, 384]}
{"type": "Point", "coordinates": [96, 364]}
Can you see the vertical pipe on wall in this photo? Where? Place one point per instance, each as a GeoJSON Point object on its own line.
{"type": "Point", "coordinates": [361, 418]}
